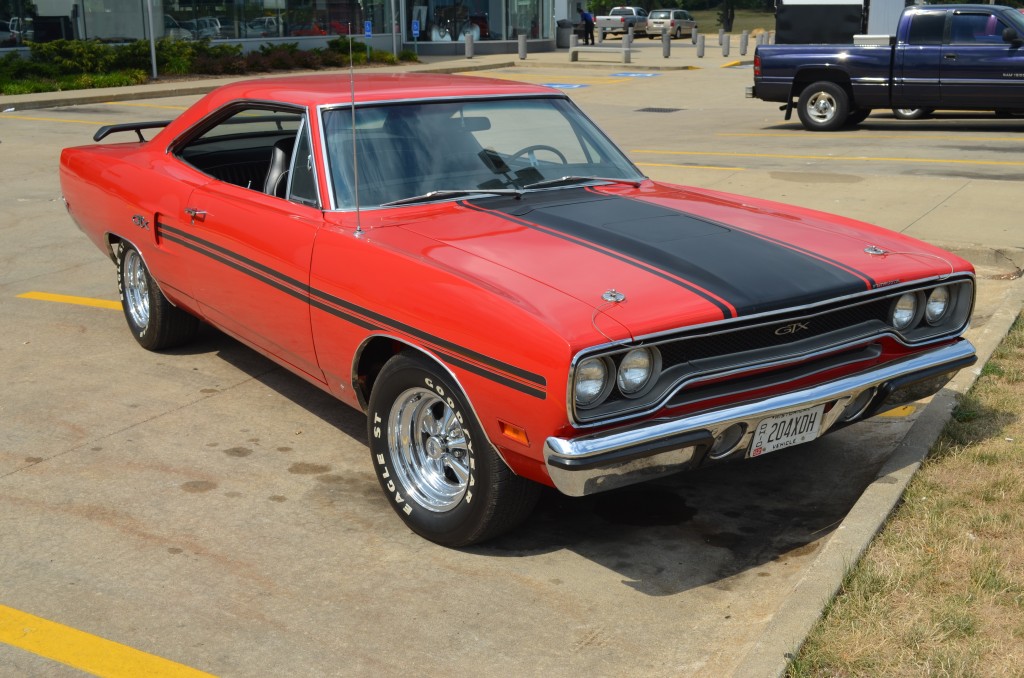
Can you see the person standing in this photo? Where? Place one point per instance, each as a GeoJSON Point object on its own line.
{"type": "Point", "coordinates": [588, 26]}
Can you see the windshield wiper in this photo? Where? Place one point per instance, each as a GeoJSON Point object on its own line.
{"type": "Point", "coordinates": [454, 193]}
{"type": "Point", "coordinates": [573, 179]}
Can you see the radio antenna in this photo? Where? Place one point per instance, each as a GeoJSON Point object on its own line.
{"type": "Point", "coordinates": [355, 154]}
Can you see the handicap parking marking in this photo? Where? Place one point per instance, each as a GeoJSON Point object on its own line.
{"type": "Point", "coordinates": [564, 85]}
{"type": "Point", "coordinates": [635, 75]}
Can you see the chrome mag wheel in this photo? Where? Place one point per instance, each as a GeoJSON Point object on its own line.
{"type": "Point", "coordinates": [429, 449]}
{"type": "Point", "coordinates": [136, 289]}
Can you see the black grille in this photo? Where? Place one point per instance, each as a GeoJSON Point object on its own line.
{"type": "Point", "coordinates": [740, 340]}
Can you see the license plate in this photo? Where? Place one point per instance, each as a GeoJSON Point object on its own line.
{"type": "Point", "coordinates": [786, 430]}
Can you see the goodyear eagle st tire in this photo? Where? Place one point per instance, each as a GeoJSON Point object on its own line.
{"type": "Point", "coordinates": [154, 321]}
{"type": "Point", "coordinates": [438, 471]}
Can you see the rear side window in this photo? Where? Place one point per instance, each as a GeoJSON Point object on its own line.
{"type": "Point", "coordinates": [926, 28]}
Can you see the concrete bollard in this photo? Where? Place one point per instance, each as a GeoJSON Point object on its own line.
{"type": "Point", "coordinates": [760, 38]}
{"type": "Point", "coordinates": [469, 45]}
{"type": "Point", "coordinates": [629, 33]}
{"type": "Point", "coordinates": [666, 43]}
{"type": "Point", "coordinates": [522, 46]}
{"type": "Point", "coordinates": [744, 39]}
{"type": "Point", "coordinates": [721, 34]}
{"type": "Point", "coordinates": [771, 37]}
{"type": "Point", "coordinates": [693, 35]}
{"type": "Point", "coordinates": [599, 35]}
{"type": "Point", "coordinates": [574, 41]}
{"type": "Point", "coordinates": [700, 46]}
{"type": "Point", "coordinates": [725, 45]}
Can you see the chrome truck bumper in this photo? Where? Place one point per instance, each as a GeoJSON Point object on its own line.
{"type": "Point", "coordinates": [603, 461]}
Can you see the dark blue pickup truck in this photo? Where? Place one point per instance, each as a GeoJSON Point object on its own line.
{"type": "Point", "coordinates": [952, 57]}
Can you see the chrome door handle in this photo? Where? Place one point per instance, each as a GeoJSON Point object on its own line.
{"type": "Point", "coordinates": [195, 214]}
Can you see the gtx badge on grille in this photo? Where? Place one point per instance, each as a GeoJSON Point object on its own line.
{"type": "Point", "coordinates": [792, 328]}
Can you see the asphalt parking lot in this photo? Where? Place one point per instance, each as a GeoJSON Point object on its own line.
{"type": "Point", "coordinates": [209, 512]}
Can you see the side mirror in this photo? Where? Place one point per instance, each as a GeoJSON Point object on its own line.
{"type": "Point", "coordinates": [1011, 36]}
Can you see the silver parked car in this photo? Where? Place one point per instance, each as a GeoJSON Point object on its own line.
{"type": "Point", "coordinates": [678, 22]}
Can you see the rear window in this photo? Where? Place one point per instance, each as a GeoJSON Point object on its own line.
{"type": "Point", "coordinates": [660, 14]}
{"type": "Point", "coordinates": [621, 11]}
{"type": "Point", "coordinates": [926, 28]}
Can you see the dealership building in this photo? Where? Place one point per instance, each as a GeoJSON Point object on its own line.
{"type": "Point", "coordinates": [431, 27]}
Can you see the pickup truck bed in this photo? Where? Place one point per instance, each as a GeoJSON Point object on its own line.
{"type": "Point", "coordinates": [962, 57]}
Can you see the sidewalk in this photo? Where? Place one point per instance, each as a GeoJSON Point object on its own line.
{"type": "Point", "coordinates": [647, 56]}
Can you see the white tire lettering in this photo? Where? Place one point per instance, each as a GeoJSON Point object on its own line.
{"type": "Point", "coordinates": [398, 498]}
{"type": "Point", "coordinates": [391, 486]}
{"type": "Point", "coordinates": [380, 460]}
{"type": "Point", "coordinates": [407, 509]}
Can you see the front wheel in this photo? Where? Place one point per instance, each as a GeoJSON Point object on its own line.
{"type": "Point", "coordinates": [911, 113]}
{"type": "Point", "coordinates": [823, 106]}
{"type": "Point", "coordinates": [155, 322]}
{"type": "Point", "coordinates": [439, 472]}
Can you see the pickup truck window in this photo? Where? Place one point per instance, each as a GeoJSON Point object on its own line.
{"type": "Point", "coordinates": [927, 28]}
{"type": "Point", "coordinates": [976, 28]}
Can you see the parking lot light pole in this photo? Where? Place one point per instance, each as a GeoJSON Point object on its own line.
{"type": "Point", "coordinates": [152, 37]}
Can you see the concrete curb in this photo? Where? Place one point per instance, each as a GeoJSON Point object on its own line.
{"type": "Point", "coordinates": [788, 630]}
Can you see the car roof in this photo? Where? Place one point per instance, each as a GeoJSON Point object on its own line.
{"type": "Point", "coordinates": [320, 90]}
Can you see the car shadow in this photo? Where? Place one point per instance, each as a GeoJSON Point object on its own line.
{"type": "Point", "coordinates": [666, 536]}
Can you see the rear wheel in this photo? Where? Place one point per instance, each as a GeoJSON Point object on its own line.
{"type": "Point", "coordinates": [824, 106]}
{"type": "Point", "coordinates": [911, 113]}
{"type": "Point", "coordinates": [155, 322]}
{"type": "Point", "coordinates": [439, 472]}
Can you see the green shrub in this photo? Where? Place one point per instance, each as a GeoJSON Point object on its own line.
{"type": "Point", "coordinates": [75, 56]}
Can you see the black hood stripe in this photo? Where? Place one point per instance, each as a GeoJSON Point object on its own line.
{"type": "Point", "coordinates": [741, 271]}
{"type": "Point", "coordinates": [727, 309]}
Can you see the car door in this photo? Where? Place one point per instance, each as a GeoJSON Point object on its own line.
{"type": "Point", "coordinates": [917, 57]}
{"type": "Point", "coordinates": [251, 233]}
{"type": "Point", "coordinates": [980, 71]}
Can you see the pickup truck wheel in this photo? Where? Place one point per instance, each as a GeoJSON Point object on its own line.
{"type": "Point", "coordinates": [858, 116]}
{"type": "Point", "coordinates": [439, 472]}
{"type": "Point", "coordinates": [911, 113]}
{"type": "Point", "coordinates": [155, 322]}
{"type": "Point", "coordinates": [823, 106]}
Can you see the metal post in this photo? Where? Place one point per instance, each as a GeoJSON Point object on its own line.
{"type": "Point", "coordinates": [725, 45]}
{"type": "Point", "coordinates": [469, 45]}
{"type": "Point", "coordinates": [152, 38]}
{"type": "Point", "coordinates": [744, 38]}
{"type": "Point", "coordinates": [700, 46]}
{"type": "Point", "coordinates": [522, 46]}
{"type": "Point", "coordinates": [666, 42]}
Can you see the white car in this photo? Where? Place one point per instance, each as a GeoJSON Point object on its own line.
{"type": "Point", "coordinates": [678, 22]}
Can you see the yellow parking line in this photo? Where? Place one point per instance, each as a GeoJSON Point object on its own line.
{"type": "Point", "coordinates": [67, 299]}
{"type": "Point", "coordinates": [859, 137]}
{"type": "Point", "coordinates": [860, 158]}
{"type": "Point", "coordinates": [730, 64]}
{"type": "Point", "coordinates": [904, 411]}
{"type": "Point", "coordinates": [138, 105]}
{"type": "Point", "coordinates": [8, 116]}
{"type": "Point", "coordinates": [670, 164]}
{"type": "Point", "coordinates": [84, 651]}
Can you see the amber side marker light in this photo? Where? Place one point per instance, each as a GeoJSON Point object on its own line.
{"type": "Point", "coordinates": [513, 432]}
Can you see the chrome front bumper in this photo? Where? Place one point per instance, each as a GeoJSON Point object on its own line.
{"type": "Point", "coordinates": [626, 455]}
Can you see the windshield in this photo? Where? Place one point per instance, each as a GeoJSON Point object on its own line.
{"type": "Point", "coordinates": [408, 150]}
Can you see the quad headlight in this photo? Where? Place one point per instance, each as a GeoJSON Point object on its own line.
{"type": "Point", "coordinates": [937, 305]}
{"type": "Point", "coordinates": [591, 381]}
{"type": "Point", "coordinates": [635, 371]}
{"type": "Point", "coordinates": [904, 311]}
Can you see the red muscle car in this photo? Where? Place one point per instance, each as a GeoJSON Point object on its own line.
{"type": "Point", "coordinates": [509, 299]}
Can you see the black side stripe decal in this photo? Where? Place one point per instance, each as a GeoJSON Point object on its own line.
{"type": "Point", "coordinates": [357, 315]}
{"type": "Point", "coordinates": [728, 311]}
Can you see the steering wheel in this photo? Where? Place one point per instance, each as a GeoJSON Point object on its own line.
{"type": "Point", "coordinates": [532, 150]}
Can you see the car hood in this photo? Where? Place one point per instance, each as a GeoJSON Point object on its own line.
{"type": "Point", "coordinates": [659, 257]}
